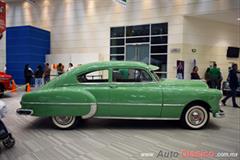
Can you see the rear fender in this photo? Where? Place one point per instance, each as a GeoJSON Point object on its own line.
{"type": "Point", "coordinates": [61, 101]}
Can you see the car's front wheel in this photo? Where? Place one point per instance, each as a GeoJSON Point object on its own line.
{"type": "Point", "coordinates": [64, 122]}
{"type": "Point", "coordinates": [195, 117]}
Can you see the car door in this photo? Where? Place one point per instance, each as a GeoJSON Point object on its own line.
{"type": "Point", "coordinates": [134, 93]}
{"type": "Point", "coordinates": [97, 83]}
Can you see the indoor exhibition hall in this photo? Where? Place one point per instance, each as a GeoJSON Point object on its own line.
{"type": "Point", "coordinates": [119, 79]}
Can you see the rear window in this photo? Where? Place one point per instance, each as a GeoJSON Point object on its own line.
{"type": "Point", "coordinates": [98, 76]}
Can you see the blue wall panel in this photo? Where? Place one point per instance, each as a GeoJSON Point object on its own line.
{"type": "Point", "coordinates": [26, 45]}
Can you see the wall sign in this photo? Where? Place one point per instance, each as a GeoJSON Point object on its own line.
{"type": "Point", "coordinates": [175, 50]}
{"type": "Point", "coordinates": [194, 50]}
{"type": "Point", "coordinates": [2, 16]}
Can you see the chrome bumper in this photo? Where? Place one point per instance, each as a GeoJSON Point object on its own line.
{"type": "Point", "coordinates": [21, 111]}
{"type": "Point", "coordinates": [220, 114]}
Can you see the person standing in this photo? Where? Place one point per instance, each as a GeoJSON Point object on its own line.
{"type": "Point", "coordinates": [233, 84]}
{"type": "Point", "coordinates": [70, 67]}
{"type": "Point", "coordinates": [215, 76]}
{"type": "Point", "coordinates": [60, 69]}
{"type": "Point", "coordinates": [207, 77]}
{"type": "Point", "coordinates": [46, 74]}
{"type": "Point", "coordinates": [5, 68]}
{"type": "Point", "coordinates": [38, 76]}
{"type": "Point", "coordinates": [28, 74]}
{"type": "Point", "coordinates": [194, 74]}
{"type": "Point", "coordinates": [180, 70]}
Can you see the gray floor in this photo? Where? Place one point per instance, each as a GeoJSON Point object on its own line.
{"type": "Point", "coordinates": [96, 139]}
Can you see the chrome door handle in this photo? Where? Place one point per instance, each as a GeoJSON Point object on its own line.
{"type": "Point", "coordinates": [113, 86]}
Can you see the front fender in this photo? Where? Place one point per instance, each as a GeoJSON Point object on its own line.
{"type": "Point", "coordinates": [67, 101]}
{"type": "Point", "coordinates": [214, 100]}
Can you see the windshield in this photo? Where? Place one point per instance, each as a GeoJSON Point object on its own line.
{"type": "Point", "coordinates": [155, 75]}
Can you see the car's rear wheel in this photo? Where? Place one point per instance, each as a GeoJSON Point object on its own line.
{"type": "Point", "coordinates": [195, 117]}
{"type": "Point", "coordinates": [64, 122]}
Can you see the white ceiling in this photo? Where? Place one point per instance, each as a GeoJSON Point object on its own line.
{"type": "Point", "coordinates": [226, 16]}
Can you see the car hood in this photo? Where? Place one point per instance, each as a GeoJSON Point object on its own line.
{"type": "Point", "coordinates": [182, 83]}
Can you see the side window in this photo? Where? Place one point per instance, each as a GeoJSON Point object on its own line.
{"type": "Point", "coordinates": [130, 75]}
{"type": "Point", "coordinates": [94, 77]}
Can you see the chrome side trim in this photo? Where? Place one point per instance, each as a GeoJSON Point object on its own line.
{"type": "Point", "coordinates": [133, 104]}
{"type": "Point", "coordinates": [52, 103]}
{"type": "Point", "coordinates": [137, 118]}
{"type": "Point", "coordinates": [102, 103]}
{"type": "Point", "coordinates": [92, 112]}
{"type": "Point", "coordinates": [143, 104]}
{"type": "Point", "coordinates": [170, 105]}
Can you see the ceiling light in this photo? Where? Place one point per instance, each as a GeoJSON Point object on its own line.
{"type": "Point", "coordinates": [238, 19]}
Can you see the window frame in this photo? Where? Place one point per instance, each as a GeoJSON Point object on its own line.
{"type": "Point", "coordinates": [124, 31]}
{"type": "Point", "coordinates": [163, 26]}
{"type": "Point", "coordinates": [140, 25]}
{"type": "Point", "coordinates": [153, 80]}
{"type": "Point", "coordinates": [94, 70]}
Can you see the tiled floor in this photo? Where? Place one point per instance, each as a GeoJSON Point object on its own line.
{"type": "Point", "coordinates": [96, 139]}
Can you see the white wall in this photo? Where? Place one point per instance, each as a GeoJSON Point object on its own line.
{"type": "Point", "coordinates": [211, 40]}
{"type": "Point", "coordinates": [75, 58]}
{"type": "Point", "coordinates": [83, 26]}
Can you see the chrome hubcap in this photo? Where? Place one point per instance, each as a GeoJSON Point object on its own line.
{"type": "Point", "coordinates": [196, 117]}
{"type": "Point", "coordinates": [64, 120]}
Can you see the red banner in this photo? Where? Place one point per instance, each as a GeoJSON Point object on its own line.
{"type": "Point", "coordinates": [2, 16]}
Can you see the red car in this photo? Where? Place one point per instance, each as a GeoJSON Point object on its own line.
{"type": "Point", "coordinates": [5, 83]}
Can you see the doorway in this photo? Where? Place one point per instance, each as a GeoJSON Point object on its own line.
{"type": "Point", "coordinates": [138, 52]}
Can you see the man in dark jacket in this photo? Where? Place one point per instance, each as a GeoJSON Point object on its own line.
{"type": "Point", "coordinates": [28, 74]}
{"type": "Point", "coordinates": [233, 83]}
{"type": "Point", "coordinates": [38, 76]}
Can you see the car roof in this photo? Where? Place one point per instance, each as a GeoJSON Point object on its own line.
{"type": "Point", "coordinates": [67, 78]}
{"type": "Point", "coordinates": [107, 64]}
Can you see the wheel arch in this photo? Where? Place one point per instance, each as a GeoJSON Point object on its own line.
{"type": "Point", "coordinates": [196, 102]}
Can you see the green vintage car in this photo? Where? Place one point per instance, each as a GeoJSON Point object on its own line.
{"type": "Point", "coordinates": [121, 90]}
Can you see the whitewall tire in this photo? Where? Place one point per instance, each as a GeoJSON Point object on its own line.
{"type": "Point", "coordinates": [195, 117]}
{"type": "Point", "coordinates": [64, 122]}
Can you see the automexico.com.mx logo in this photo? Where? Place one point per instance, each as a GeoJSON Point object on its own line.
{"type": "Point", "coordinates": [184, 153]}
